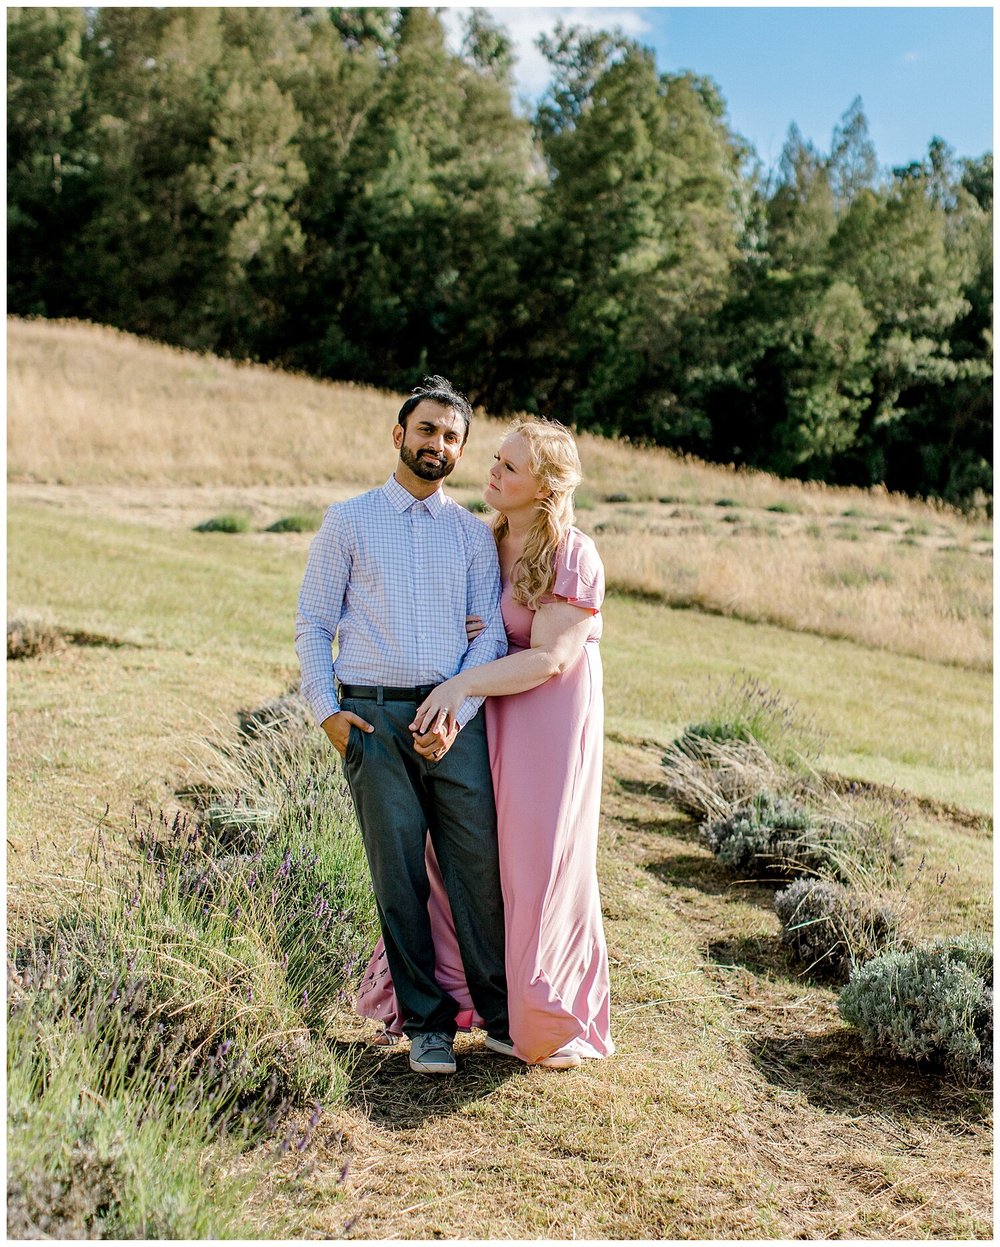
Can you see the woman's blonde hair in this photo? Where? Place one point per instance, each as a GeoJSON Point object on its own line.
{"type": "Point", "coordinates": [553, 460]}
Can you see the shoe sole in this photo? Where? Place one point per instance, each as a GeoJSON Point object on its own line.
{"type": "Point", "coordinates": [503, 1049]}
{"type": "Point", "coordinates": [432, 1068]}
{"type": "Point", "coordinates": [559, 1062]}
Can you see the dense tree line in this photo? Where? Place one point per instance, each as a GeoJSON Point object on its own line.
{"type": "Point", "coordinates": [335, 191]}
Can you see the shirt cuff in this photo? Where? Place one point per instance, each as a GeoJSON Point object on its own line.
{"type": "Point", "coordinates": [468, 710]}
{"type": "Point", "coordinates": [324, 706]}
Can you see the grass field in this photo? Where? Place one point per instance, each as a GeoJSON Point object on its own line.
{"type": "Point", "coordinates": [739, 1105]}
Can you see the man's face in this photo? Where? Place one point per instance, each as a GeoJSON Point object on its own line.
{"type": "Point", "coordinates": [432, 442]}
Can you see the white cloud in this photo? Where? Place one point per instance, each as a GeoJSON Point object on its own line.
{"type": "Point", "coordinates": [910, 58]}
{"type": "Point", "coordinates": [531, 70]}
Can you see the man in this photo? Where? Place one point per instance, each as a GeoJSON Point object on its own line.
{"type": "Point", "coordinates": [393, 574]}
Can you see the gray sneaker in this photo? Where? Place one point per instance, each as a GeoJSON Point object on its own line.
{"type": "Point", "coordinates": [432, 1053]}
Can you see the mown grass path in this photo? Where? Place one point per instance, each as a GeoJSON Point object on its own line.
{"type": "Point", "coordinates": [737, 1106]}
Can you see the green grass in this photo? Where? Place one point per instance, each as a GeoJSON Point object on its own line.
{"type": "Point", "coordinates": [662, 668]}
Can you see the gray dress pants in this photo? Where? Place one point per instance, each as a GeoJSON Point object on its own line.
{"type": "Point", "coordinates": [400, 798]}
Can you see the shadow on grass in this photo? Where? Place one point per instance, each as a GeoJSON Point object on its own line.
{"type": "Point", "coordinates": [675, 826]}
{"type": "Point", "coordinates": [761, 955]}
{"type": "Point", "coordinates": [834, 1073]}
{"type": "Point", "coordinates": [386, 1090]}
{"type": "Point", "coordinates": [704, 873]}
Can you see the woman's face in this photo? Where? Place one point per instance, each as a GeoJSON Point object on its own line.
{"type": "Point", "coordinates": [511, 486]}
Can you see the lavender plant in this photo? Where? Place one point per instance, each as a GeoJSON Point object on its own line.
{"type": "Point", "coordinates": [812, 834]}
{"type": "Point", "coordinates": [932, 1004]}
{"type": "Point", "coordinates": [745, 710]}
{"type": "Point", "coordinates": [100, 1147]}
{"type": "Point", "coordinates": [830, 928]}
{"type": "Point", "coordinates": [198, 970]}
{"type": "Point", "coordinates": [28, 638]}
{"type": "Point", "coordinates": [771, 836]}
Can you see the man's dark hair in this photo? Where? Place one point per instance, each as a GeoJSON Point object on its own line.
{"type": "Point", "coordinates": [438, 390]}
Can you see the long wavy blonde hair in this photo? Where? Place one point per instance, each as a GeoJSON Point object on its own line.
{"type": "Point", "coordinates": [553, 460]}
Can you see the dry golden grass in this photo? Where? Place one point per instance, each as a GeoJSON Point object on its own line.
{"type": "Point", "coordinates": [911, 599]}
{"type": "Point", "coordinates": [116, 417]}
{"type": "Point", "coordinates": [89, 403]}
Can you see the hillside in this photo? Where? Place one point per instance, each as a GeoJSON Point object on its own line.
{"type": "Point", "coordinates": [133, 428]}
{"type": "Point", "coordinates": [739, 1104]}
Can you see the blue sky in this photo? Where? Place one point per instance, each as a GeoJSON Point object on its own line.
{"type": "Point", "coordinates": [920, 72]}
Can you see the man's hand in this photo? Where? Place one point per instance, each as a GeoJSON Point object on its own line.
{"type": "Point", "coordinates": [338, 728]}
{"type": "Point", "coordinates": [433, 745]}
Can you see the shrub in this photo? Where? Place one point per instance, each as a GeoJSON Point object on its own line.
{"type": "Point", "coordinates": [830, 927]}
{"type": "Point", "coordinates": [280, 724]}
{"type": "Point", "coordinates": [228, 522]}
{"type": "Point", "coordinates": [744, 709]}
{"type": "Point", "coordinates": [711, 779]}
{"type": "Point", "coordinates": [813, 833]}
{"type": "Point", "coordinates": [619, 497]}
{"type": "Point", "coordinates": [299, 522]}
{"type": "Point", "coordinates": [292, 863]}
{"type": "Point", "coordinates": [96, 1150]}
{"type": "Point", "coordinates": [183, 978]}
{"type": "Point", "coordinates": [772, 835]}
{"type": "Point", "coordinates": [29, 639]}
{"type": "Point", "coordinates": [931, 1004]}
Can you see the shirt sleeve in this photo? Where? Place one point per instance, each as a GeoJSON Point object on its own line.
{"type": "Point", "coordinates": [483, 600]}
{"type": "Point", "coordinates": [579, 577]}
{"type": "Point", "coordinates": [321, 606]}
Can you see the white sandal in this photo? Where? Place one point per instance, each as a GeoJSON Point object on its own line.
{"type": "Point", "coordinates": [385, 1039]}
{"type": "Point", "coordinates": [562, 1058]}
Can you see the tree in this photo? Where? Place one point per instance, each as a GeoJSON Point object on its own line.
{"type": "Point", "coordinates": [47, 83]}
{"type": "Point", "coordinates": [853, 163]}
{"type": "Point", "coordinates": [435, 183]}
{"type": "Point", "coordinates": [911, 251]}
{"type": "Point", "coordinates": [487, 46]}
{"type": "Point", "coordinates": [801, 212]}
{"type": "Point", "coordinates": [640, 224]}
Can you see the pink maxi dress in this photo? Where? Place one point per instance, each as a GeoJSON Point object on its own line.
{"type": "Point", "coordinates": [546, 755]}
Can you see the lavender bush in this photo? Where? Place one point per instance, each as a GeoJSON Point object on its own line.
{"type": "Point", "coordinates": [932, 1004]}
{"type": "Point", "coordinates": [830, 928]}
{"type": "Point", "coordinates": [198, 970]}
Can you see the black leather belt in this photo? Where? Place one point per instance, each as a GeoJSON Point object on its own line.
{"type": "Point", "coordinates": [383, 692]}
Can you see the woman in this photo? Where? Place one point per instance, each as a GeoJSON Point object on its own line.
{"type": "Point", "coordinates": [545, 724]}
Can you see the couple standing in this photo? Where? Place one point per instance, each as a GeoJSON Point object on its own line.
{"type": "Point", "coordinates": [480, 826]}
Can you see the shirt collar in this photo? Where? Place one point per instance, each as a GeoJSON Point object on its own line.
{"type": "Point", "coordinates": [401, 499]}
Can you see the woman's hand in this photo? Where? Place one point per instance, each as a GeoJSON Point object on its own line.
{"type": "Point", "coordinates": [473, 626]}
{"type": "Point", "coordinates": [438, 711]}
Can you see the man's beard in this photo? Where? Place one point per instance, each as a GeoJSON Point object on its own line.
{"type": "Point", "coordinates": [428, 469]}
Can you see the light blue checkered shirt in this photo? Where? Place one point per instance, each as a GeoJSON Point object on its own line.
{"type": "Point", "coordinates": [393, 578]}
